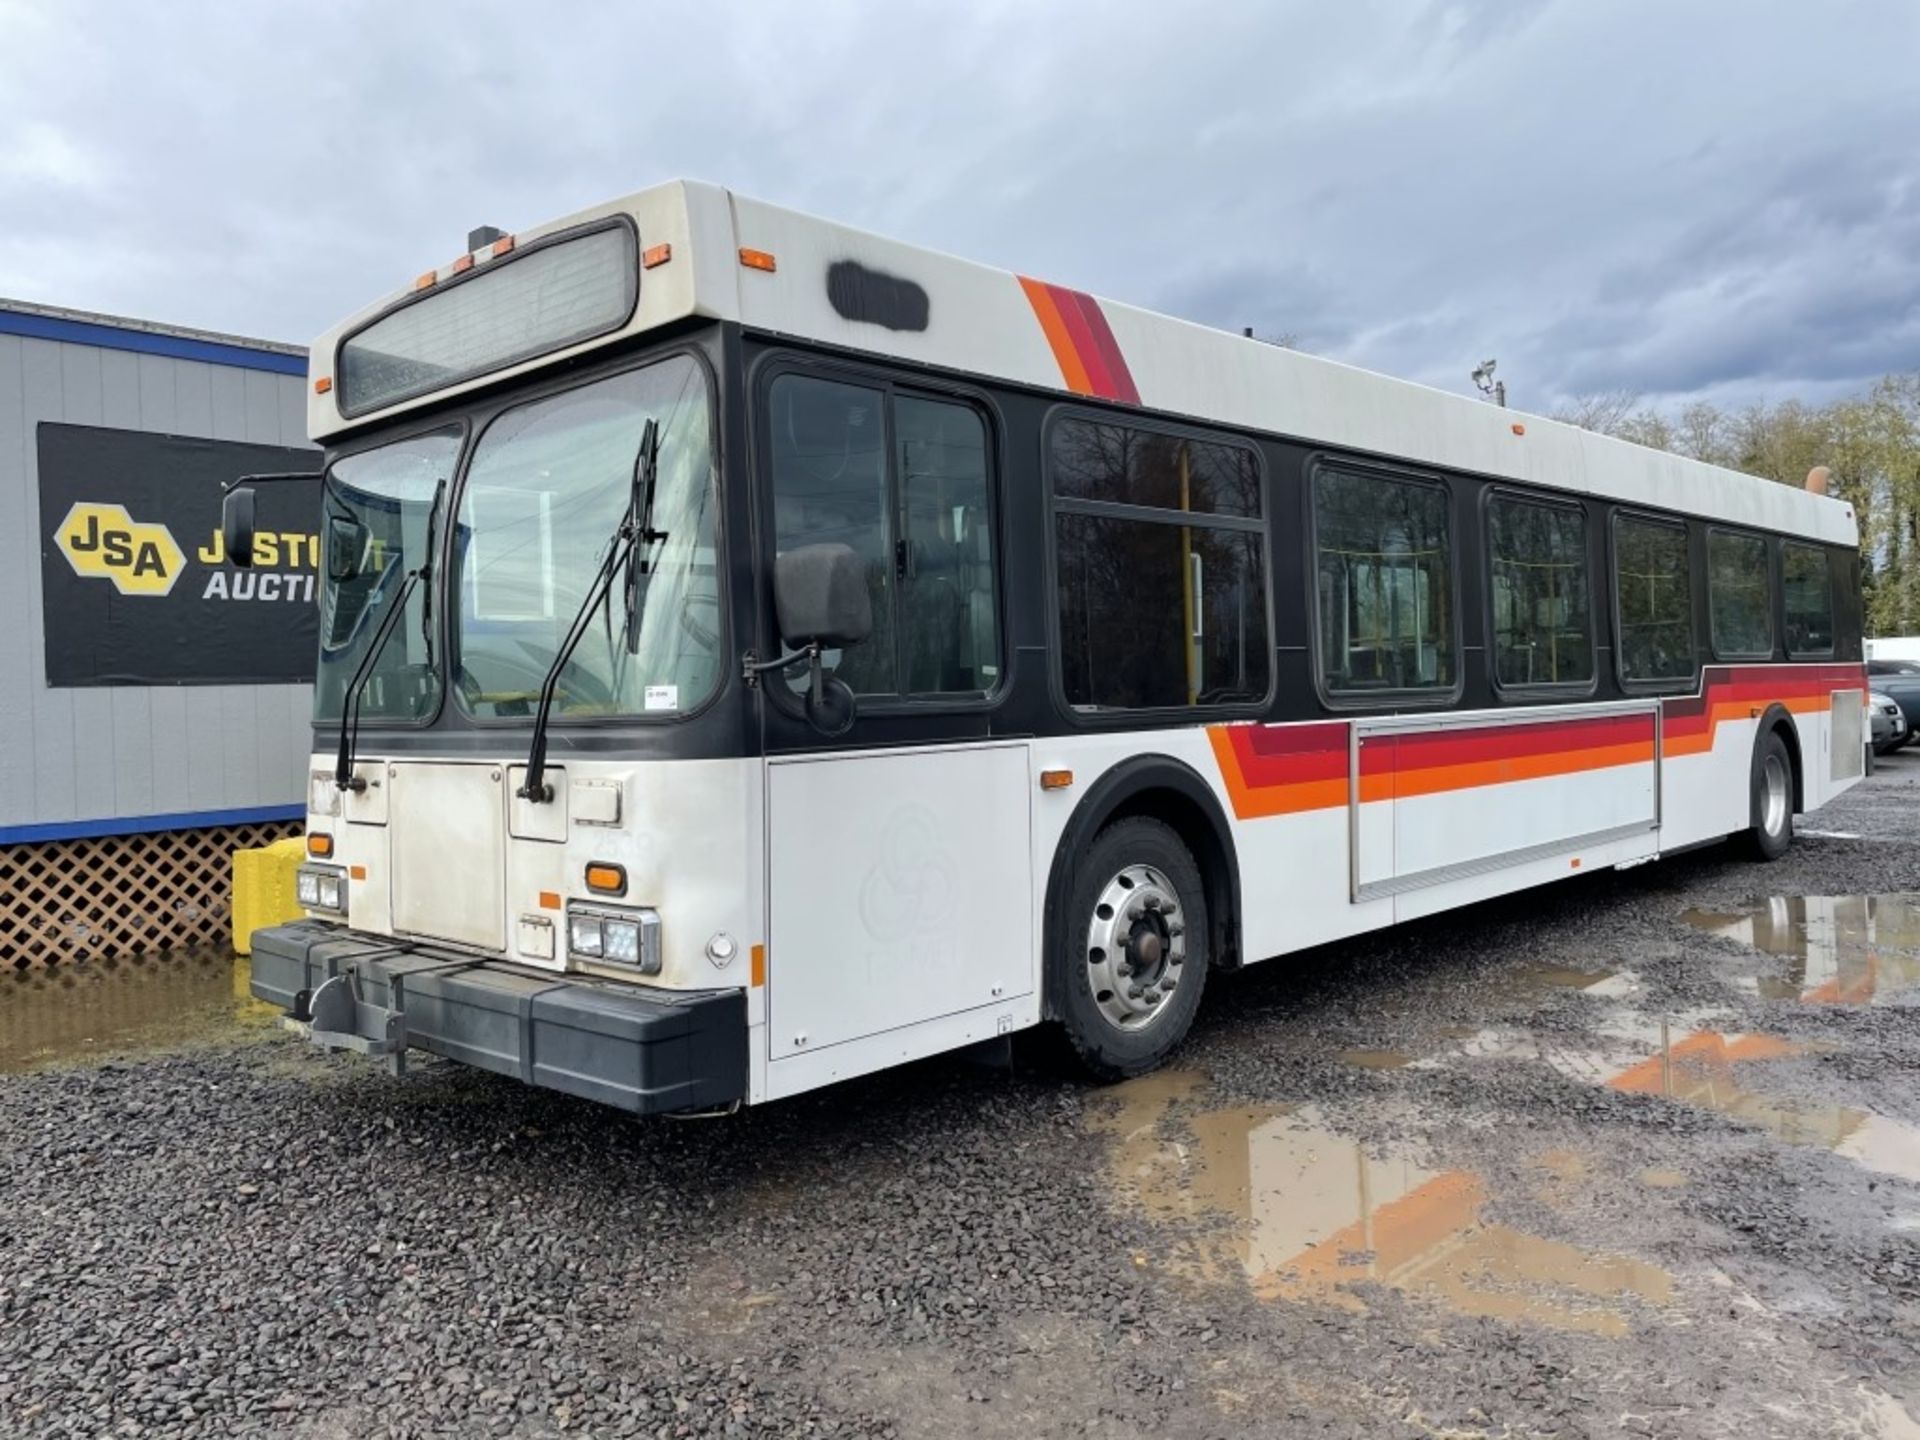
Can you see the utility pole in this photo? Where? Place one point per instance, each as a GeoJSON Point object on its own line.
{"type": "Point", "coordinates": [1495, 390]}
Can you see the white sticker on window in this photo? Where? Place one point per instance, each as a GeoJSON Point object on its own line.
{"type": "Point", "coordinates": [663, 697]}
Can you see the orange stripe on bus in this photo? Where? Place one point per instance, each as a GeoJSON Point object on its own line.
{"type": "Point", "coordinates": [1072, 369]}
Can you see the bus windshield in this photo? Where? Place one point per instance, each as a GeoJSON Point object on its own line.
{"type": "Point", "coordinates": [545, 491]}
{"type": "Point", "coordinates": [378, 505]}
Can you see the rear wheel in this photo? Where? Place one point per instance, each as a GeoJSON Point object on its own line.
{"type": "Point", "coordinates": [1772, 798]}
{"type": "Point", "coordinates": [1131, 957]}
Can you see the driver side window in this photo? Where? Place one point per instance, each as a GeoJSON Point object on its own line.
{"type": "Point", "coordinates": [902, 480]}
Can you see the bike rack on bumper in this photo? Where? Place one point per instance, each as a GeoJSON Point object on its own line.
{"type": "Point", "coordinates": [647, 1051]}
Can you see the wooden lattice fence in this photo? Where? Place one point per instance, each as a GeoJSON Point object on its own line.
{"type": "Point", "coordinates": [66, 901]}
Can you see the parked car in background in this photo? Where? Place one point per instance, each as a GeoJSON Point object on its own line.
{"type": "Point", "coordinates": [1899, 681]}
{"type": "Point", "coordinates": [1890, 727]}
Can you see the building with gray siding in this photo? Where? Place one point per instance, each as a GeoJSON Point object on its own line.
{"type": "Point", "coordinates": [129, 752]}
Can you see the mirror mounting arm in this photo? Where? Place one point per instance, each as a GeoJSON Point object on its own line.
{"type": "Point", "coordinates": [752, 667]}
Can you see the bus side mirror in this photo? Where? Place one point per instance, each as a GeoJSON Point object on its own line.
{"type": "Point", "coordinates": [820, 597]}
{"type": "Point", "coordinates": [346, 548]}
{"type": "Point", "coordinates": [236, 525]}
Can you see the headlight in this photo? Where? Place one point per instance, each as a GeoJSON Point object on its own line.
{"type": "Point", "coordinates": [323, 796]}
{"type": "Point", "coordinates": [583, 935]}
{"type": "Point", "coordinates": [616, 937]}
{"type": "Point", "coordinates": [320, 887]}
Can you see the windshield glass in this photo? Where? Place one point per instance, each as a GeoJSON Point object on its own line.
{"type": "Point", "coordinates": [375, 531]}
{"type": "Point", "coordinates": [547, 486]}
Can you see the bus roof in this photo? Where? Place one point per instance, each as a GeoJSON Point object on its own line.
{"type": "Point", "coordinates": [711, 253]}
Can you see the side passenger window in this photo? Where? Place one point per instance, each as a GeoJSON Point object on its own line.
{"type": "Point", "coordinates": [902, 479]}
{"type": "Point", "coordinates": [1653, 583]}
{"type": "Point", "coordinates": [1383, 553]}
{"type": "Point", "coordinates": [1739, 596]}
{"type": "Point", "coordinates": [1542, 607]}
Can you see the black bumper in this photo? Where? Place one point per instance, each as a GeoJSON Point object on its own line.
{"type": "Point", "coordinates": [643, 1051]}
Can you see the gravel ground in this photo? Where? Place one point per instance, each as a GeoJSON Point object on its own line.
{"type": "Point", "coordinates": [1564, 1165]}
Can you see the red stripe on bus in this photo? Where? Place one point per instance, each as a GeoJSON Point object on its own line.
{"type": "Point", "coordinates": [1075, 319]}
{"type": "Point", "coordinates": [1115, 364]}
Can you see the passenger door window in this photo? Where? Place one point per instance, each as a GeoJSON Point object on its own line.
{"type": "Point", "coordinates": [901, 479]}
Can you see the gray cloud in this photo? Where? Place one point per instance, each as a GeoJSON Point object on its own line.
{"type": "Point", "coordinates": [1676, 198]}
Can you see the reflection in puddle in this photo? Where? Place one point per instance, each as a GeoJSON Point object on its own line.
{"type": "Point", "coordinates": [1842, 949]}
{"type": "Point", "coordinates": [1268, 1194]}
{"type": "Point", "coordinates": [1701, 1066]}
{"type": "Point", "coordinates": [86, 1011]}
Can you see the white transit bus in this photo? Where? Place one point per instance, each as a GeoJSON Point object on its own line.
{"type": "Point", "coordinates": [756, 653]}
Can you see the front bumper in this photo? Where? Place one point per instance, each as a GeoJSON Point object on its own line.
{"type": "Point", "coordinates": [646, 1051]}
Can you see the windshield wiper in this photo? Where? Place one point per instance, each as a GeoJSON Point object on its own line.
{"type": "Point", "coordinates": [343, 776]}
{"type": "Point", "coordinates": [636, 526]}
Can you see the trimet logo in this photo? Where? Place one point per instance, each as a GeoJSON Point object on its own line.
{"type": "Point", "coordinates": [103, 540]}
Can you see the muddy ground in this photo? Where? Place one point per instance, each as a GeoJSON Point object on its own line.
{"type": "Point", "coordinates": [1637, 1155]}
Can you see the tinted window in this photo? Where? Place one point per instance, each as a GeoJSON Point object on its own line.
{"type": "Point", "coordinates": [1542, 606]}
{"type": "Point", "coordinates": [1126, 466]}
{"type": "Point", "coordinates": [903, 481]}
{"type": "Point", "coordinates": [1806, 582]}
{"type": "Point", "coordinates": [1157, 609]}
{"type": "Point", "coordinates": [1384, 557]}
{"type": "Point", "coordinates": [1739, 598]}
{"type": "Point", "coordinates": [1654, 583]}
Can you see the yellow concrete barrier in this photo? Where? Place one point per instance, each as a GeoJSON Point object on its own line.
{"type": "Point", "coordinates": [263, 892]}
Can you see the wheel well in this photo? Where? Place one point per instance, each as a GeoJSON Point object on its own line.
{"type": "Point", "coordinates": [1172, 792]}
{"type": "Point", "coordinates": [1778, 719]}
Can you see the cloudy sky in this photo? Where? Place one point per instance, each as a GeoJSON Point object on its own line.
{"type": "Point", "coordinates": [1672, 197]}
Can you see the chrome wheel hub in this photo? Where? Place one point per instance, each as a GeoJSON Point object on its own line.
{"type": "Point", "coordinates": [1136, 945]}
{"type": "Point", "coordinates": [1775, 795]}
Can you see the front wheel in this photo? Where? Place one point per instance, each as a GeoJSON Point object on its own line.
{"type": "Point", "coordinates": [1131, 957]}
{"type": "Point", "coordinates": [1772, 798]}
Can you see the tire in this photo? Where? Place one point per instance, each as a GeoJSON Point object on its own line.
{"type": "Point", "coordinates": [1130, 961]}
{"type": "Point", "coordinates": [1771, 802]}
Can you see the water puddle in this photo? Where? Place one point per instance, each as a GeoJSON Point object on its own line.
{"type": "Point", "coordinates": [86, 1012]}
{"type": "Point", "coordinates": [1269, 1196]}
{"type": "Point", "coordinates": [1375, 1059]}
{"type": "Point", "coordinates": [1840, 949]}
{"type": "Point", "coordinates": [1692, 1063]}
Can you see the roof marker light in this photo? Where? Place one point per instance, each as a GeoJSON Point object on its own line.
{"type": "Point", "coordinates": [463, 264]}
{"type": "Point", "coordinates": [757, 260]}
{"type": "Point", "coordinates": [503, 246]}
{"type": "Point", "coordinates": [656, 255]}
{"type": "Point", "coordinates": [425, 281]}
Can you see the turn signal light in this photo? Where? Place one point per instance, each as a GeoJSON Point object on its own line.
{"type": "Point", "coordinates": [1055, 779]}
{"type": "Point", "coordinates": [605, 879]}
{"type": "Point", "coordinates": [757, 260]}
{"type": "Point", "coordinates": [320, 845]}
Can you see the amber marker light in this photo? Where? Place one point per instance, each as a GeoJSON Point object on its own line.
{"type": "Point", "coordinates": [320, 845]}
{"type": "Point", "coordinates": [604, 879]}
{"type": "Point", "coordinates": [757, 260]}
{"type": "Point", "coordinates": [656, 255]}
{"type": "Point", "coordinates": [503, 246]}
{"type": "Point", "coordinates": [1055, 779]}
{"type": "Point", "coordinates": [549, 899]}
{"type": "Point", "coordinates": [425, 281]}
{"type": "Point", "coordinates": [322, 385]}
{"type": "Point", "coordinates": [463, 264]}
{"type": "Point", "coordinates": [1518, 428]}
{"type": "Point", "coordinates": [357, 872]}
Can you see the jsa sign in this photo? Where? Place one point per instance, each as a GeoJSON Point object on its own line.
{"type": "Point", "coordinates": [136, 585]}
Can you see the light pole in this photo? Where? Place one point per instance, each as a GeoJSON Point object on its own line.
{"type": "Point", "coordinates": [1496, 390]}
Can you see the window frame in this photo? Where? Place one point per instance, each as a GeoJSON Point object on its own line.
{"type": "Point", "coordinates": [1559, 689]}
{"type": "Point", "coordinates": [1678, 684]}
{"type": "Point", "coordinates": [1769, 549]}
{"type": "Point", "coordinates": [1425, 697]}
{"type": "Point", "coordinates": [890, 381]}
{"type": "Point", "coordinates": [1056, 505]}
{"type": "Point", "coordinates": [1833, 608]}
{"type": "Point", "coordinates": [481, 418]}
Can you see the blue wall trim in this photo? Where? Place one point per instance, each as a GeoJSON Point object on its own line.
{"type": "Point", "coordinates": [146, 824]}
{"type": "Point", "coordinates": [147, 342]}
